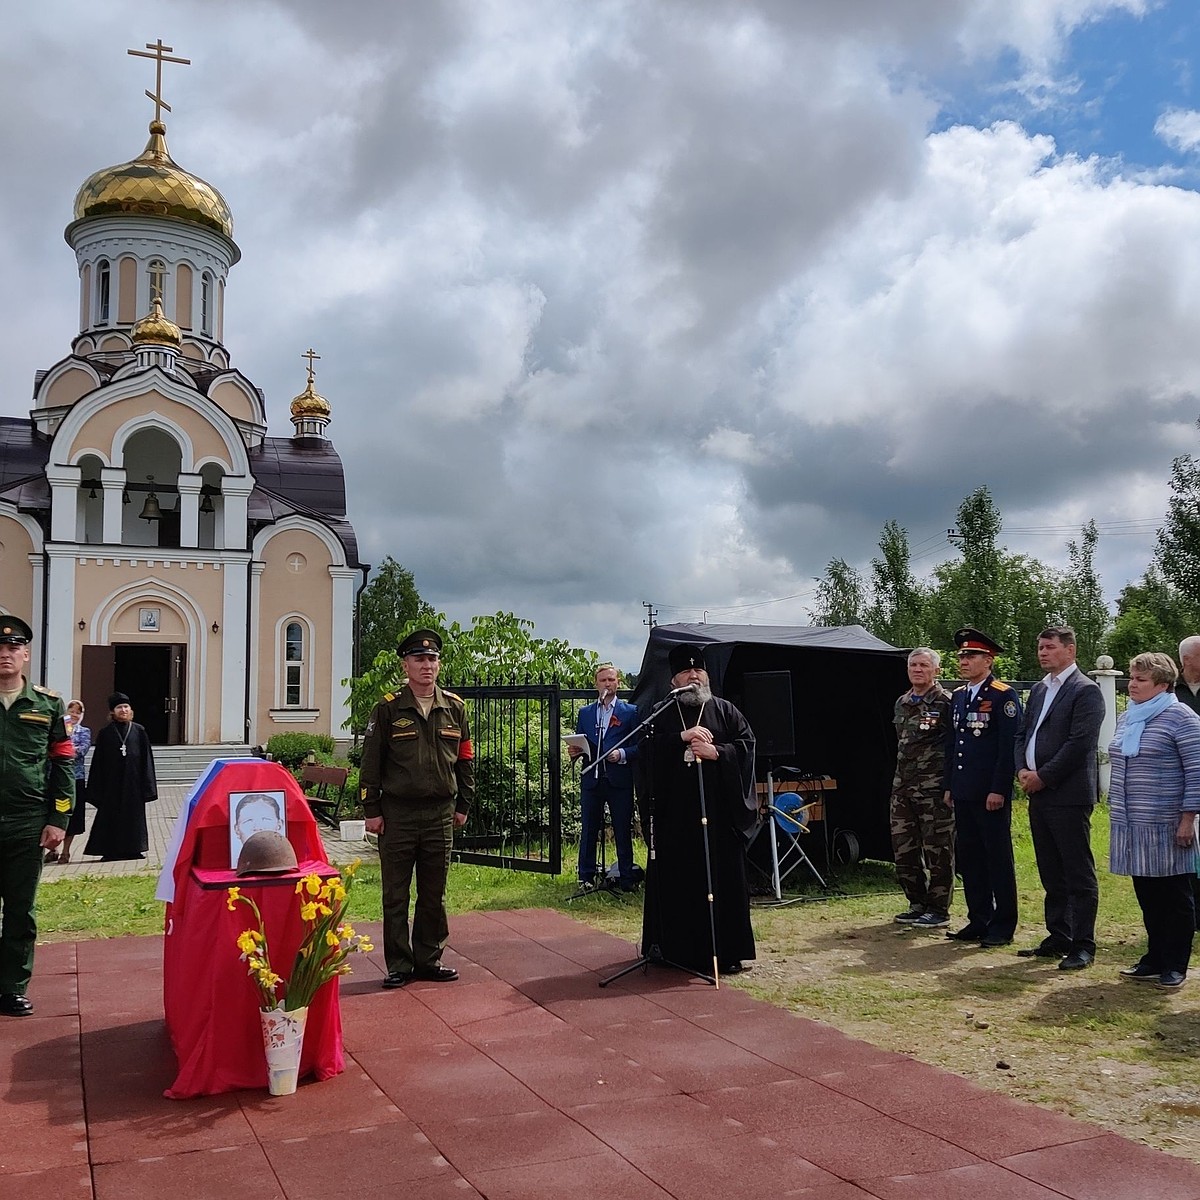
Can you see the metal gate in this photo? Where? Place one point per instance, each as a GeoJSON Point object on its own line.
{"type": "Point", "coordinates": [516, 819]}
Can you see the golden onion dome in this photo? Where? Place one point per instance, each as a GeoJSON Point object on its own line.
{"type": "Point", "coordinates": [154, 329]}
{"type": "Point", "coordinates": [153, 184]}
{"type": "Point", "coordinates": [310, 404]}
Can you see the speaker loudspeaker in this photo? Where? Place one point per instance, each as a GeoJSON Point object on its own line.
{"type": "Point", "coordinates": [767, 705]}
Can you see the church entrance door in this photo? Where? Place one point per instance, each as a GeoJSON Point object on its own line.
{"type": "Point", "coordinates": [151, 676]}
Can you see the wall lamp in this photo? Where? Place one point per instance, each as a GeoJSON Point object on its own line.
{"type": "Point", "coordinates": [215, 627]}
{"type": "Point", "coordinates": [82, 624]}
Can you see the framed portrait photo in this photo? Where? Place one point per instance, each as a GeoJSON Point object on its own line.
{"type": "Point", "coordinates": [250, 813]}
{"type": "Point", "coordinates": [149, 620]}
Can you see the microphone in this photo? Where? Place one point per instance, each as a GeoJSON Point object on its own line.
{"type": "Point", "coordinates": [679, 691]}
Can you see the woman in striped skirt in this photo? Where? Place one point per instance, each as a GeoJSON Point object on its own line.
{"type": "Point", "coordinates": [1153, 800]}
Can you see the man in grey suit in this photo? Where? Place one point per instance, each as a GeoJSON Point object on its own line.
{"type": "Point", "coordinates": [1056, 765]}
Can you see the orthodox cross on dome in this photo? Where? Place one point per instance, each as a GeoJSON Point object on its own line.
{"type": "Point", "coordinates": [161, 54]}
{"type": "Point", "coordinates": [311, 354]}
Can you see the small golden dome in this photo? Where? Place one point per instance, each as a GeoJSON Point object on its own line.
{"type": "Point", "coordinates": [154, 329]}
{"type": "Point", "coordinates": [309, 404]}
{"type": "Point", "coordinates": [154, 184]}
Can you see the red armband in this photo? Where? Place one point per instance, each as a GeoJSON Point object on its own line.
{"type": "Point", "coordinates": [465, 750]}
{"type": "Point", "coordinates": [63, 749]}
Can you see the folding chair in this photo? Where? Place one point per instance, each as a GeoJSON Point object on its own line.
{"type": "Point", "coordinates": [788, 824]}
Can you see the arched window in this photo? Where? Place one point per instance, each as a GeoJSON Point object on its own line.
{"type": "Point", "coordinates": [158, 281]}
{"type": "Point", "coordinates": [293, 664]}
{"type": "Point", "coordinates": [103, 291]}
{"type": "Point", "coordinates": [206, 300]}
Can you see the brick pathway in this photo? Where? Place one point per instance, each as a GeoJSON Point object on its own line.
{"type": "Point", "coordinates": [525, 1080]}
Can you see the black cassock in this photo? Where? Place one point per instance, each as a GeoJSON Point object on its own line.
{"type": "Point", "coordinates": [676, 923]}
{"type": "Point", "coordinates": [120, 786]}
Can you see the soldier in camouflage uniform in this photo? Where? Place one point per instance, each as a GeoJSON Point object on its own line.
{"type": "Point", "coordinates": [922, 822]}
{"type": "Point", "coordinates": [37, 793]}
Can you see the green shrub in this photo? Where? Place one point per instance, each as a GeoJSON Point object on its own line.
{"type": "Point", "coordinates": [292, 749]}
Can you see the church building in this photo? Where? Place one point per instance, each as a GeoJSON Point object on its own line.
{"type": "Point", "coordinates": [157, 540]}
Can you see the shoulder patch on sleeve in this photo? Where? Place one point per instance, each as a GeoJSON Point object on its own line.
{"type": "Point", "coordinates": [1010, 709]}
{"type": "Point", "coordinates": [1000, 685]}
{"type": "Point", "coordinates": [62, 806]}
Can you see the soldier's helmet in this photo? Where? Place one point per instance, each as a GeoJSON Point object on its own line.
{"type": "Point", "coordinates": [266, 853]}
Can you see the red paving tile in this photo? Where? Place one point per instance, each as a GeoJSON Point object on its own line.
{"type": "Point", "coordinates": [446, 1081]}
{"type": "Point", "coordinates": [1108, 1168]}
{"type": "Point", "coordinates": [58, 1183]}
{"type": "Point", "coordinates": [524, 1080]}
{"type": "Point", "coordinates": [243, 1173]}
{"type": "Point", "coordinates": [350, 1100]}
{"type": "Point", "coordinates": [983, 1182]}
{"type": "Point", "coordinates": [514, 1140]}
{"type": "Point", "coordinates": [874, 1146]}
{"type": "Point", "coordinates": [750, 1165]}
{"type": "Point", "coordinates": [357, 1162]}
{"type": "Point", "coordinates": [655, 1122]}
{"type": "Point", "coordinates": [603, 1174]}
{"type": "Point", "coordinates": [54, 958]}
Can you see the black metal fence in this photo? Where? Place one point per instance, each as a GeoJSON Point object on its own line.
{"type": "Point", "coordinates": [526, 792]}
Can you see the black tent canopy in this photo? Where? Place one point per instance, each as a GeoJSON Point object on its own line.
{"type": "Point", "coordinates": [843, 685]}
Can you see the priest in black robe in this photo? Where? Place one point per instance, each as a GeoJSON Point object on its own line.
{"type": "Point", "coordinates": [120, 785]}
{"type": "Point", "coordinates": [698, 733]}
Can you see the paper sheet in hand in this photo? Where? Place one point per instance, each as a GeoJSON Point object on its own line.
{"type": "Point", "coordinates": [580, 741]}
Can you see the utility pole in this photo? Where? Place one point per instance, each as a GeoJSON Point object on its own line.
{"type": "Point", "coordinates": [651, 617]}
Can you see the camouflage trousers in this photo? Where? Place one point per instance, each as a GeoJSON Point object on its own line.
{"type": "Point", "coordinates": [923, 845]}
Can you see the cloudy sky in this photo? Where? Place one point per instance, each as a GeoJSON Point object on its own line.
{"type": "Point", "coordinates": [666, 300]}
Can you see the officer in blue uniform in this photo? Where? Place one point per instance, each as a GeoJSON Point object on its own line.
{"type": "Point", "coordinates": [984, 717]}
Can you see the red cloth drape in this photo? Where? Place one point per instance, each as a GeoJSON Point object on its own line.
{"type": "Point", "coordinates": [210, 1002]}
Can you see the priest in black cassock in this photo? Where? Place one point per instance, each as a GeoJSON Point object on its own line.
{"type": "Point", "coordinates": [697, 732]}
{"type": "Point", "coordinates": [121, 783]}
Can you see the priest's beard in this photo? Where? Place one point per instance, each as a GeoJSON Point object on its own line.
{"type": "Point", "coordinates": [697, 695]}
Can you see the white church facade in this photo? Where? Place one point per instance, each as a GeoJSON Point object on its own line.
{"type": "Point", "coordinates": [157, 540]}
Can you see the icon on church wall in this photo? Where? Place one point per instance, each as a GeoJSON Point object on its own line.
{"type": "Point", "coordinates": [149, 620]}
{"type": "Point", "coordinates": [253, 812]}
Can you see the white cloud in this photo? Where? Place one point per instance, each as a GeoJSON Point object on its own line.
{"type": "Point", "coordinates": [668, 302]}
{"type": "Point", "coordinates": [1179, 128]}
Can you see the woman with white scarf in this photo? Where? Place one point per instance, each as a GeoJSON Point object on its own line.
{"type": "Point", "coordinates": [1153, 800]}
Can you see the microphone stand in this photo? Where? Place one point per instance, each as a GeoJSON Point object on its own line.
{"type": "Point", "coordinates": [646, 960]}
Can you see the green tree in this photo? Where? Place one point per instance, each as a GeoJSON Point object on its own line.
{"type": "Point", "coordinates": [979, 525]}
{"type": "Point", "coordinates": [840, 598]}
{"type": "Point", "coordinates": [895, 611]}
{"type": "Point", "coordinates": [493, 648]}
{"type": "Point", "coordinates": [1177, 554]}
{"type": "Point", "coordinates": [1085, 609]}
{"type": "Point", "coordinates": [389, 605]}
{"type": "Point", "coordinates": [1151, 615]}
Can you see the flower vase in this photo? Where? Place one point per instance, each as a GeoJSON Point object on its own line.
{"type": "Point", "coordinates": [283, 1038]}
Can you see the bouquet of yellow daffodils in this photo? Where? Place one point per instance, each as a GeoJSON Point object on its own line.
{"type": "Point", "coordinates": [328, 941]}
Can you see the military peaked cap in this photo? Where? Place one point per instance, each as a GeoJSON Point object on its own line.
{"type": "Point", "coordinates": [421, 641]}
{"type": "Point", "coordinates": [14, 631]}
{"type": "Point", "coordinates": [972, 639]}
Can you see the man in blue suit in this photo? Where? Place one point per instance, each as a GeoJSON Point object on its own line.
{"type": "Point", "coordinates": [984, 717]}
{"type": "Point", "coordinates": [1057, 767]}
{"type": "Point", "coordinates": [604, 724]}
